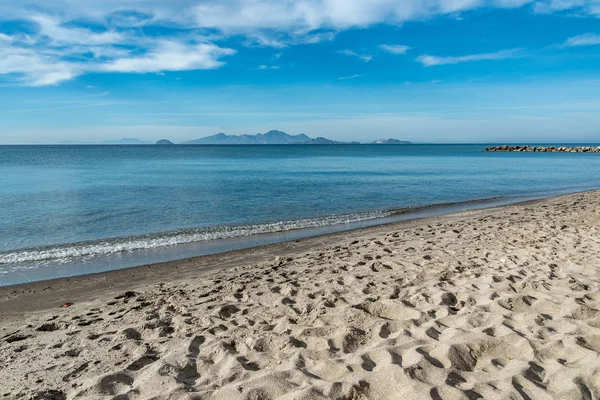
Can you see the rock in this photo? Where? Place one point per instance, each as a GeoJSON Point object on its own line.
{"type": "Point", "coordinates": [164, 142]}
{"type": "Point", "coordinates": [542, 149]}
{"type": "Point", "coordinates": [51, 395]}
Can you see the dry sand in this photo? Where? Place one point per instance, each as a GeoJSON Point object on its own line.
{"type": "Point", "coordinates": [495, 304]}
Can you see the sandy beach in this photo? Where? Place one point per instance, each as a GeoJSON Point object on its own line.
{"type": "Point", "coordinates": [501, 303]}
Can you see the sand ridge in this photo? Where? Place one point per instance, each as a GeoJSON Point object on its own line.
{"type": "Point", "coordinates": [502, 305]}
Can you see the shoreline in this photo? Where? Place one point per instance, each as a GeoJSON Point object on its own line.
{"type": "Point", "coordinates": [46, 294]}
{"type": "Point", "coordinates": [492, 303]}
{"type": "Point", "coordinates": [59, 268]}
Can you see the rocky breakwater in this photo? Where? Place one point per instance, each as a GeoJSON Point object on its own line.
{"type": "Point", "coordinates": [543, 149]}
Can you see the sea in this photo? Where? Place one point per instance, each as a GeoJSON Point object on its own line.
{"type": "Point", "coordinates": [72, 210]}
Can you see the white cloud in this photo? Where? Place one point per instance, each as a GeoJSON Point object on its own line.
{"type": "Point", "coordinates": [589, 7]}
{"type": "Point", "coordinates": [363, 57]}
{"type": "Point", "coordinates": [430, 61]}
{"type": "Point", "coordinates": [53, 29]}
{"type": "Point", "coordinates": [588, 39]}
{"type": "Point", "coordinates": [60, 51]}
{"type": "Point", "coordinates": [172, 56]}
{"type": "Point", "coordinates": [281, 40]}
{"type": "Point", "coordinates": [292, 16]}
{"type": "Point", "coordinates": [287, 15]}
{"type": "Point", "coordinates": [307, 15]}
{"type": "Point", "coordinates": [343, 78]}
{"type": "Point", "coordinates": [266, 40]}
{"type": "Point", "coordinates": [73, 37]}
{"type": "Point", "coordinates": [263, 67]}
{"type": "Point", "coordinates": [395, 48]}
{"type": "Point", "coordinates": [33, 67]}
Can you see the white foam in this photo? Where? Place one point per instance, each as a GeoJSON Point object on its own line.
{"type": "Point", "coordinates": [92, 249]}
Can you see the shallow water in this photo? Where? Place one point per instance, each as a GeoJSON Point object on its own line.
{"type": "Point", "coordinates": [67, 210]}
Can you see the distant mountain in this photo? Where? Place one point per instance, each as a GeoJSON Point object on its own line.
{"type": "Point", "coordinates": [271, 137]}
{"type": "Point", "coordinates": [391, 141]}
{"type": "Point", "coordinates": [322, 140]}
{"type": "Point", "coordinates": [164, 142]}
{"type": "Point", "coordinates": [127, 141]}
{"type": "Point", "coordinates": [277, 137]}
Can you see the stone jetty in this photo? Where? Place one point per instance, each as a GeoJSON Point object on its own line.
{"type": "Point", "coordinates": [543, 149]}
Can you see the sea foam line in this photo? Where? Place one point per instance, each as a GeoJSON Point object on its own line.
{"type": "Point", "coordinates": [111, 246]}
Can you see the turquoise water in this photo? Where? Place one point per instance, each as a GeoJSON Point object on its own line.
{"type": "Point", "coordinates": [67, 210]}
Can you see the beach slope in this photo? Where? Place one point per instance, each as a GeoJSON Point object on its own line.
{"type": "Point", "coordinates": [495, 304]}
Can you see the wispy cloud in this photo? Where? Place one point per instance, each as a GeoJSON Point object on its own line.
{"type": "Point", "coordinates": [172, 56]}
{"type": "Point", "coordinates": [60, 47]}
{"type": "Point", "coordinates": [581, 7]}
{"type": "Point", "coordinates": [58, 108]}
{"type": "Point", "coordinates": [395, 48]}
{"type": "Point", "coordinates": [306, 16]}
{"type": "Point", "coordinates": [100, 94]}
{"type": "Point", "coordinates": [58, 52]}
{"type": "Point", "coordinates": [280, 40]}
{"type": "Point", "coordinates": [588, 39]}
{"type": "Point", "coordinates": [34, 67]}
{"type": "Point", "coordinates": [430, 61]}
{"type": "Point", "coordinates": [53, 29]}
{"type": "Point", "coordinates": [293, 17]}
{"type": "Point", "coordinates": [363, 57]}
{"type": "Point", "coordinates": [343, 78]}
{"type": "Point", "coordinates": [264, 67]}
{"type": "Point", "coordinates": [5, 38]}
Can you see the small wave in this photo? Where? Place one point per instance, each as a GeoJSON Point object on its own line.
{"type": "Point", "coordinates": [112, 246]}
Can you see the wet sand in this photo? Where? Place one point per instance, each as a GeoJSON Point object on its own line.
{"type": "Point", "coordinates": [498, 303]}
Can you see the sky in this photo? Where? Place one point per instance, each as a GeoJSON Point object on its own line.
{"type": "Point", "coordinates": [440, 71]}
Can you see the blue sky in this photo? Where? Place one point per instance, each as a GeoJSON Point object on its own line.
{"type": "Point", "coordinates": [420, 70]}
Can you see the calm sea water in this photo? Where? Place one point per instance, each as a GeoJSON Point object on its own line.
{"type": "Point", "coordinates": [66, 210]}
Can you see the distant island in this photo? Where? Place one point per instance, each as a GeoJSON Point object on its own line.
{"type": "Point", "coordinates": [277, 137]}
{"type": "Point", "coordinates": [391, 141]}
{"type": "Point", "coordinates": [322, 140]}
{"type": "Point", "coordinates": [271, 137]}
